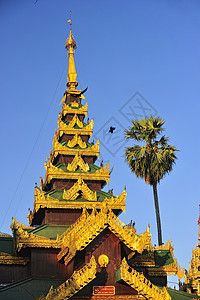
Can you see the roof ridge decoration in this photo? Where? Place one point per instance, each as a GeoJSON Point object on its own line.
{"type": "Point", "coordinates": [174, 267]}
{"type": "Point", "coordinates": [66, 109]}
{"type": "Point", "coordinates": [80, 185]}
{"type": "Point", "coordinates": [140, 283]}
{"type": "Point", "coordinates": [53, 172]}
{"type": "Point", "coordinates": [118, 199]}
{"type": "Point", "coordinates": [2, 234]}
{"type": "Point", "coordinates": [17, 225]}
{"type": "Point", "coordinates": [75, 121]}
{"type": "Point", "coordinates": [8, 259]}
{"type": "Point", "coordinates": [64, 128]}
{"type": "Point", "coordinates": [78, 236]}
{"type": "Point", "coordinates": [24, 239]}
{"type": "Point", "coordinates": [75, 283]}
{"type": "Point", "coordinates": [77, 140]}
{"type": "Point", "coordinates": [46, 201]}
{"type": "Point", "coordinates": [58, 148]}
{"type": "Point", "coordinates": [78, 162]}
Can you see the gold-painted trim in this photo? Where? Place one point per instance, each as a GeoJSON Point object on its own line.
{"type": "Point", "coordinates": [103, 260]}
{"type": "Point", "coordinates": [53, 172]}
{"type": "Point", "coordinates": [8, 259]}
{"type": "Point", "coordinates": [68, 129]}
{"type": "Point", "coordinates": [42, 201]}
{"type": "Point", "coordinates": [66, 109]}
{"type": "Point", "coordinates": [141, 284]}
{"type": "Point", "coordinates": [78, 162]}
{"type": "Point", "coordinates": [75, 121]}
{"type": "Point", "coordinates": [77, 140]}
{"type": "Point", "coordinates": [80, 185]}
{"type": "Point", "coordinates": [87, 227]}
{"type": "Point", "coordinates": [64, 150]}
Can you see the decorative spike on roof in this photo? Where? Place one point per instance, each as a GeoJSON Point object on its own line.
{"type": "Point", "coordinates": [70, 46]}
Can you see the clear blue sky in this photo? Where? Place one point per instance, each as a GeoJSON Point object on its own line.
{"type": "Point", "coordinates": [124, 47]}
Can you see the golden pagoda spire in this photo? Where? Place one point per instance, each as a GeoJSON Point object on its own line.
{"type": "Point", "coordinates": [70, 46]}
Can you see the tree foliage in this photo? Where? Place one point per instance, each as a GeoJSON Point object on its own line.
{"type": "Point", "coordinates": [155, 157]}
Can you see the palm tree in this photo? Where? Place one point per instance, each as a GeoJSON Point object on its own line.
{"type": "Point", "coordinates": [152, 160]}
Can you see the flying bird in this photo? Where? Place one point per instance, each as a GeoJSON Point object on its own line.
{"type": "Point", "coordinates": [111, 129]}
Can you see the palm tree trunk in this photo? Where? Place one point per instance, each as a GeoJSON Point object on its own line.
{"type": "Point", "coordinates": [157, 213]}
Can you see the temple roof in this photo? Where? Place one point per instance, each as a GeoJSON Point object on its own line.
{"type": "Point", "coordinates": [49, 231]}
{"type": "Point", "coordinates": [58, 194]}
{"type": "Point", "coordinates": [28, 289]}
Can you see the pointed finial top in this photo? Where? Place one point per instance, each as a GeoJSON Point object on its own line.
{"type": "Point", "coordinates": [70, 41]}
{"type": "Point", "coordinates": [70, 46]}
{"type": "Point", "coordinates": [70, 21]}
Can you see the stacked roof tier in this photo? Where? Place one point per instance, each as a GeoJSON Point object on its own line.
{"type": "Point", "coordinates": [72, 180]}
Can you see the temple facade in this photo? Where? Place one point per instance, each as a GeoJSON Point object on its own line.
{"type": "Point", "coordinates": [75, 246]}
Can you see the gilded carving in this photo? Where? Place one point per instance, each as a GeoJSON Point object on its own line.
{"type": "Point", "coordinates": [2, 234]}
{"type": "Point", "coordinates": [75, 121]}
{"type": "Point", "coordinates": [79, 235]}
{"type": "Point", "coordinates": [58, 148]}
{"type": "Point", "coordinates": [46, 201]}
{"type": "Point", "coordinates": [8, 259]}
{"type": "Point", "coordinates": [53, 172]}
{"type": "Point", "coordinates": [68, 129]}
{"type": "Point", "coordinates": [77, 140]}
{"type": "Point", "coordinates": [117, 200]}
{"type": "Point", "coordinates": [103, 260]}
{"type": "Point", "coordinates": [66, 109]}
{"type": "Point", "coordinates": [78, 162]}
{"type": "Point", "coordinates": [25, 239]}
{"type": "Point", "coordinates": [141, 284]}
{"type": "Point", "coordinates": [80, 185]}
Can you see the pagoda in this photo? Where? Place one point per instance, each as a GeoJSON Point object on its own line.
{"type": "Point", "coordinates": [75, 246]}
{"type": "Point", "coordinates": [192, 278]}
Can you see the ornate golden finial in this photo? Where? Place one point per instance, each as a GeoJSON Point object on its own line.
{"type": "Point", "coordinates": [70, 46]}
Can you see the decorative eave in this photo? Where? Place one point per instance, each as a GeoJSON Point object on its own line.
{"type": "Point", "coordinates": [140, 283]}
{"type": "Point", "coordinates": [73, 192]}
{"type": "Point", "coordinates": [87, 227]}
{"type": "Point", "coordinates": [147, 260]}
{"type": "Point", "coordinates": [15, 225]}
{"type": "Point", "coordinates": [68, 129]}
{"type": "Point", "coordinates": [77, 140]}
{"type": "Point", "coordinates": [73, 109]}
{"type": "Point", "coordinates": [75, 283]}
{"type": "Point", "coordinates": [78, 162]}
{"type": "Point", "coordinates": [24, 239]}
{"type": "Point", "coordinates": [75, 121]}
{"type": "Point", "coordinates": [8, 259]}
{"type": "Point", "coordinates": [170, 269]}
{"type": "Point", "coordinates": [53, 172]}
{"type": "Point", "coordinates": [58, 148]}
{"type": "Point", "coordinates": [43, 201]}
{"type": "Point", "coordinates": [2, 234]}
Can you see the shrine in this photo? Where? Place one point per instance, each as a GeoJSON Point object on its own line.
{"type": "Point", "coordinates": [192, 278]}
{"type": "Point", "coordinates": [75, 246]}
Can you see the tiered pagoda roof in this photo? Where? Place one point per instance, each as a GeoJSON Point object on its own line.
{"type": "Point", "coordinates": [75, 239]}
